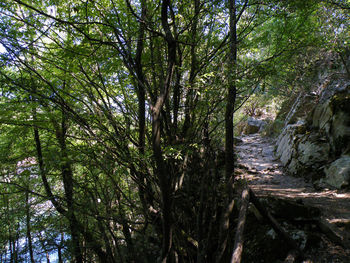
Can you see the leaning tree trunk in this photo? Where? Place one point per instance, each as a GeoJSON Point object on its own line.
{"type": "Point", "coordinates": [29, 233]}
{"type": "Point", "coordinates": [164, 176]}
{"type": "Point", "coordinates": [232, 90]}
{"type": "Point", "coordinates": [230, 102]}
{"type": "Point", "coordinates": [238, 245]}
{"type": "Point", "coordinates": [67, 176]}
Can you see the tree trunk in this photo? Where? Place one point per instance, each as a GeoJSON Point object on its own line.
{"type": "Point", "coordinates": [16, 245]}
{"type": "Point", "coordinates": [141, 96]}
{"type": "Point", "coordinates": [176, 94]}
{"type": "Point", "coordinates": [193, 71]}
{"type": "Point", "coordinates": [238, 246]}
{"type": "Point", "coordinates": [164, 176]}
{"type": "Point", "coordinates": [47, 257]}
{"type": "Point", "coordinates": [141, 92]}
{"type": "Point", "coordinates": [165, 188]}
{"type": "Point", "coordinates": [67, 175]}
{"type": "Point", "coordinates": [231, 96]}
{"type": "Point", "coordinates": [11, 248]}
{"type": "Point", "coordinates": [93, 243]}
{"type": "Point", "coordinates": [29, 235]}
{"type": "Point", "coordinates": [59, 255]}
{"type": "Point", "coordinates": [229, 160]}
{"type": "Point", "coordinates": [60, 246]}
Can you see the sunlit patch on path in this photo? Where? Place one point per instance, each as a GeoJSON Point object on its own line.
{"type": "Point", "coordinates": [264, 173]}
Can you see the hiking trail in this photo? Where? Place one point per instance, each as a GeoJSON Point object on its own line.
{"type": "Point", "coordinates": [266, 177]}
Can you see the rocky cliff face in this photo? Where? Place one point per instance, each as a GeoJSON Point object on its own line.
{"type": "Point", "coordinates": [315, 142]}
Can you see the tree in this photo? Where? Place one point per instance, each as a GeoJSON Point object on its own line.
{"type": "Point", "coordinates": [123, 107]}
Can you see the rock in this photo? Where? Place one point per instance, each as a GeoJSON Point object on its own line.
{"type": "Point", "coordinates": [306, 146]}
{"type": "Point", "coordinates": [302, 152]}
{"type": "Point", "coordinates": [251, 129]}
{"type": "Point", "coordinates": [301, 237]}
{"type": "Point", "coordinates": [294, 167]}
{"type": "Point", "coordinates": [310, 152]}
{"type": "Point", "coordinates": [251, 126]}
{"type": "Point", "coordinates": [301, 108]}
{"type": "Point", "coordinates": [332, 87]}
{"type": "Point", "coordinates": [255, 122]}
{"type": "Point", "coordinates": [333, 118]}
{"type": "Point", "coordinates": [240, 127]}
{"type": "Point", "coordinates": [313, 150]}
{"type": "Point", "coordinates": [254, 126]}
{"type": "Point", "coordinates": [287, 141]}
{"type": "Point", "coordinates": [322, 116]}
{"type": "Point", "coordinates": [237, 140]}
{"type": "Point", "coordinates": [268, 152]}
{"type": "Point", "coordinates": [340, 135]}
{"type": "Point", "coordinates": [338, 172]}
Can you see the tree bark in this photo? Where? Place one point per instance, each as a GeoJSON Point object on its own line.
{"type": "Point", "coordinates": [238, 245]}
{"type": "Point", "coordinates": [141, 93]}
{"type": "Point", "coordinates": [232, 90]}
{"type": "Point", "coordinates": [193, 71]}
{"type": "Point", "coordinates": [229, 160]}
{"type": "Point", "coordinates": [67, 175]}
{"type": "Point", "coordinates": [47, 257]}
{"type": "Point", "coordinates": [164, 176]}
{"type": "Point", "coordinates": [141, 96]}
{"type": "Point", "coordinates": [29, 234]}
{"type": "Point", "coordinates": [59, 249]}
{"type": "Point", "coordinates": [88, 236]}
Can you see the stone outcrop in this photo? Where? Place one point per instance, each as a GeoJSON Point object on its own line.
{"type": "Point", "coordinates": [338, 172]}
{"type": "Point", "coordinates": [315, 142]}
{"type": "Point", "coordinates": [251, 126]}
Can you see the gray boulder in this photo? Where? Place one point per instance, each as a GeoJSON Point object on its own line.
{"type": "Point", "coordinates": [237, 140]}
{"type": "Point", "coordinates": [340, 132]}
{"type": "Point", "coordinates": [322, 116]}
{"type": "Point", "coordinates": [308, 153]}
{"type": "Point", "coordinates": [254, 126]}
{"type": "Point", "coordinates": [332, 117]}
{"type": "Point", "coordinates": [324, 135]}
{"type": "Point", "coordinates": [332, 86]}
{"type": "Point", "coordinates": [338, 172]}
{"type": "Point", "coordinates": [286, 145]}
{"type": "Point", "coordinates": [313, 150]}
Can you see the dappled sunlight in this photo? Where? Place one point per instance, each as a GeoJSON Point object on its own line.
{"type": "Point", "coordinates": [298, 192]}
{"type": "Point", "coordinates": [266, 178]}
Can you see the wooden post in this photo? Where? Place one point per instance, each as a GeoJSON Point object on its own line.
{"type": "Point", "coordinates": [238, 245]}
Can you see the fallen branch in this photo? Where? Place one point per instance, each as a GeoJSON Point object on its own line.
{"type": "Point", "coordinates": [279, 229]}
{"type": "Point", "coordinates": [238, 245]}
{"type": "Point", "coordinates": [333, 233]}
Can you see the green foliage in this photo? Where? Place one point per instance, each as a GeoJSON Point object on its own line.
{"type": "Point", "coordinates": [71, 82]}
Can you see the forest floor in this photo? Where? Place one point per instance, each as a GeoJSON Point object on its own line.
{"type": "Point", "coordinates": [266, 177]}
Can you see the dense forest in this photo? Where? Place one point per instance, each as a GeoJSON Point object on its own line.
{"type": "Point", "coordinates": [118, 117]}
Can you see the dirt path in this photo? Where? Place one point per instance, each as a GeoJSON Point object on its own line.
{"type": "Point", "coordinates": [266, 177]}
